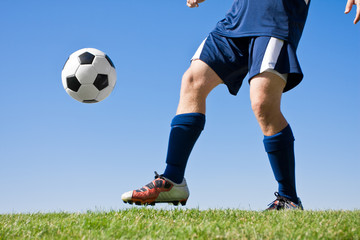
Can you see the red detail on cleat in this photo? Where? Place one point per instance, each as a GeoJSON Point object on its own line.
{"type": "Point", "coordinates": [150, 194]}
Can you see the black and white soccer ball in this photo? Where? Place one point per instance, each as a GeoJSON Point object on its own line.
{"type": "Point", "coordinates": [88, 75]}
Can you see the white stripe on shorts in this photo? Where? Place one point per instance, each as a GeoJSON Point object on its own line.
{"type": "Point", "coordinates": [198, 51]}
{"type": "Point", "coordinates": [271, 56]}
{"type": "Point", "coordinates": [272, 53]}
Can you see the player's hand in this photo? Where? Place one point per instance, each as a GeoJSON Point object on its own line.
{"type": "Point", "coordinates": [349, 6]}
{"type": "Point", "coordinates": [194, 3]}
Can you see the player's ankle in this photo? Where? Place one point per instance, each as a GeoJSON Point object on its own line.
{"type": "Point", "coordinates": [174, 173]}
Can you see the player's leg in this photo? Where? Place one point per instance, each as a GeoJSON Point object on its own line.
{"type": "Point", "coordinates": [265, 93]}
{"type": "Point", "coordinates": [274, 69]}
{"type": "Point", "coordinates": [186, 126]}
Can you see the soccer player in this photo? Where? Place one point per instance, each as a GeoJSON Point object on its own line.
{"type": "Point", "coordinates": [257, 38]}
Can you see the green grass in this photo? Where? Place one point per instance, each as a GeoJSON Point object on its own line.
{"type": "Point", "coordinates": [148, 223]}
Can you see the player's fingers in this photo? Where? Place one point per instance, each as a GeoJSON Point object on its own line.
{"type": "Point", "coordinates": [188, 3]}
{"type": "Point", "coordinates": [195, 2]}
{"type": "Point", "coordinates": [348, 6]}
{"type": "Point", "coordinates": [357, 17]}
{"type": "Point", "coordinates": [192, 3]}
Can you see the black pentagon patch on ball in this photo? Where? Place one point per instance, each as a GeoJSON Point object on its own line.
{"type": "Point", "coordinates": [90, 101]}
{"type": "Point", "coordinates": [109, 60]}
{"type": "Point", "coordinates": [101, 81]}
{"type": "Point", "coordinates": [73, 83]}
{"type": "Point", "coordinates": [86, 58]}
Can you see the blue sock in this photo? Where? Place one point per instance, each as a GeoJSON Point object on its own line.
{"type": "Point", "coordinates": [280, 150]}
{"type": "Point", "coordinates": [185, 130]}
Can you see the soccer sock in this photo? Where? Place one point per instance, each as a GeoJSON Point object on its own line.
{"type": "Point", "coordinates": [185, 130]}
{"type": "Point", "coordinates": [280, 150]}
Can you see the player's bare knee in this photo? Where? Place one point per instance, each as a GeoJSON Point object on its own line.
{"type": "Point", "coordinates": [192, 82]}
{"type": "Point", "coordinates": [263, 109]}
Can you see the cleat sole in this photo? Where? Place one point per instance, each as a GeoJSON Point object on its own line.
{"type": "Point", "coordinates": [139, 203]}
{"type": "Point", "coordinates": [153, 203]}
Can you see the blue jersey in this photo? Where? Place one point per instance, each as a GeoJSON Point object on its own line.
{"type": "Point", "coordinates": [283, 19]}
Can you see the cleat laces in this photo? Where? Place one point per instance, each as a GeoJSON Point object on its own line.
{"type": "Point", "coordinates": [281, 203]}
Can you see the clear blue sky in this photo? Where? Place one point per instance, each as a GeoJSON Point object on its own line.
{"type": "Point", "coordinates": [57, 154]}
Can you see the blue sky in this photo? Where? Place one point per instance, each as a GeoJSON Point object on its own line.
{"type": "Point", "coordinates": [57, 154]}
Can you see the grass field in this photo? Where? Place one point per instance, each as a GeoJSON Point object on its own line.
{"type": "Point", "coordinates": [148, 223]}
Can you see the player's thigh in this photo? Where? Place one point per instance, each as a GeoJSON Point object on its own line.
{"type": "Point", "coordinates": [199, 78]}
{"type": "Point", "coordinates": [265, 91]}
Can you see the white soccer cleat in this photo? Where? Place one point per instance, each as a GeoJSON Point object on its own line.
{"type": "Point", "coordinates": [160, 190]}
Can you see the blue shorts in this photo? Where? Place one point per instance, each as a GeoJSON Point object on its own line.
{"type": "Point", "coordinates": [235, 58]}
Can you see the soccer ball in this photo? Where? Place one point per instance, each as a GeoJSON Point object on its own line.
{"type": "Point", "coordinates": [88, 75]}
